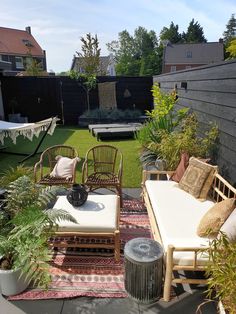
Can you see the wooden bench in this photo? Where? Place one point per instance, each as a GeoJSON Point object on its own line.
{"type": "Point", "coordinates": [179, 217]}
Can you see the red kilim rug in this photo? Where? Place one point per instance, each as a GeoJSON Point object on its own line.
{"type": "Point", "coordinates": [89, 272]}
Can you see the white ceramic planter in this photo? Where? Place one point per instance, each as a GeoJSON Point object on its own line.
{"type": "Point", "coordinates": [221, 308]}
{"type": "Point", "coordinates": [11, 283]}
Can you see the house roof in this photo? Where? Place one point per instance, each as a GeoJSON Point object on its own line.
{"type": "Point", "coordinates": [201, 53]}
{"type": "Point", "coordinates": [18, 42]}
{"type": "Point", "coordinates": [104, 62]}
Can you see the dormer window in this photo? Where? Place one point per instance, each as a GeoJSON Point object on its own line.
{"type": "Point", "coordinates": [27, 42]}
{"type": "Point", "coordinates": [189, 54]}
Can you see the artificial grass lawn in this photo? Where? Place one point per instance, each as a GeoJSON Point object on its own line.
{"type": "Point", "coordinates": [82, 140]}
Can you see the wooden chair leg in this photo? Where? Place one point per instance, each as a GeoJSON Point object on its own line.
{"type": "Point", "coordinates": [168, 275]}
{"type": "Point", "coordinates": [119, 192]}
{"type": "Point", "coordinates": [117, 245]}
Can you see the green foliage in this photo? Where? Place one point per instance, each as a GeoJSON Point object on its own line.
{"type": "Point", "coordinates": [25, 245]}
{"type": "Point", "coordinates": [222, 272]}
{"type": "Point", "coordinates": [171, 33]}
{"type": "Point", "coordinates": [136, 55]}
{"type": "Point", "coordinates": [185, 139]}
{"type": "Point", "coordinates": [194, 34]}
{"type": "Point", "coordinates": [231, 50]}
{"type": "Point", "coordinates": [168, 132]}
{"type": "Point", "coordinates": [114, 114]}
{"type": "Point", "coordinates": [11, 174]}
{"type": "Point", "coordinates": [90, 55]}
{"type": "Point", "coordinates": [230, 32]}
{"type": "Point", "coordinates": [33, 66]}
{"type": "Point", "coordinates": [163, 117]}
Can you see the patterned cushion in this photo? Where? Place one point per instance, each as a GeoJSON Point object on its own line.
{"type": "Point", "coordinates": [215, 217]}
{"type": "Point", "coordinates": [207, 185]}
{"type": "Point", "coordinates": [195, 177]}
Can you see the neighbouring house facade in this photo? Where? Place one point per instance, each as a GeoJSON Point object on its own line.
{"type": "Point", "coordinates": [106, 67]}
{"type": "Point", "coordinates": [17, 47]}
{"type": "Point", "coordinates": [186, 56]}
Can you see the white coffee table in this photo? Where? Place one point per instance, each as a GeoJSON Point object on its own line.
{"type": "Point", "coordinates": [98, 217]}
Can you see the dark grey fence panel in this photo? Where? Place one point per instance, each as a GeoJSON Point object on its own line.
{"type": "Point", "coordinates": [211, 93]}
{"type": "Point", "coordinates": [41, 97]}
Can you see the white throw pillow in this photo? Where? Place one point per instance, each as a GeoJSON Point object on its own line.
{"type": "Point", "coordinates": [64, 167]}
{"type": "Point", "coordinates": [229, 227]}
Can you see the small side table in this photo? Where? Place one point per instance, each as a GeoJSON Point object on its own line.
{"type": "Point", "coordinates": [143, 269]}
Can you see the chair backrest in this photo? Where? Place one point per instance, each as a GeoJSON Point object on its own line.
{"type": "Point", "coordinates": [104, 158]}
{"type": "Point", "coordinates": [48, 157]}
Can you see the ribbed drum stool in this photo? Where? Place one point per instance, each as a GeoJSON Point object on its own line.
{"type": "Point", "coordinates": [143, 269]}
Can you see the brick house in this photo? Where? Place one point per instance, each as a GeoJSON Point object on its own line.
{"type": "Point", "coordinates": [106, 67]}
{"type": "Point", "coordinates": [186, 56]}
{"type": "Point", "coordinates": [15, 47]}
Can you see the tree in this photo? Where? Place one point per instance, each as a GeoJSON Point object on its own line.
{"type": "Point", "coordinates": [90, 56]}
{"type": "Point", "coordinates": [231, 49]}
{"type": "Point", "coordinates": [136, 55]}
{"type": "Point", "coordinates": [230, 32]}
{"type": "Point", "coordinates": [171, 33]}
{"type": "Point", "coordinates": [90, 60]}
{"type": "Point", "coordinates": [194, 33]}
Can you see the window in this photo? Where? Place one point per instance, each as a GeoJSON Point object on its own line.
{"type": "Point", "coordinates": [189, 54]}
{"type": "Point", "coordinates": [173, 68]}
{"type": "Point", "coordinates": [19, 62]}
{"type": "Point", "coordinates": [188, 67]}
{"type": "Point", "coordinates": [0, 57]}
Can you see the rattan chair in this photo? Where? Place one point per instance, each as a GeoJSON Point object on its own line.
{"type": "Point", "coordinates": [102, 168]}
{"type": "Point", "coordinates": [45, 165]}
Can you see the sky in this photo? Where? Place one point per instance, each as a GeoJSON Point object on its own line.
{"type": "Point", "coordinates": [58, 25]}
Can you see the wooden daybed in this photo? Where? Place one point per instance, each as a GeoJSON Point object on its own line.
{"type": "Point", "coordinates": [174, 215]}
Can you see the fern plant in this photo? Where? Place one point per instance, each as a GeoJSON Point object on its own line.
{"type": "Point", "coordinates": [24, 242]}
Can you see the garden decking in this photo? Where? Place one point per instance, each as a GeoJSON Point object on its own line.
{"type": "Point", "coordinates": [116, 130]}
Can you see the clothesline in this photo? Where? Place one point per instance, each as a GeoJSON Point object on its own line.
{"type": "Point", "coordinates": [28, 130]}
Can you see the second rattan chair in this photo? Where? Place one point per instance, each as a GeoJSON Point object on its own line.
{"type": "Point", "coordinates": [102, 168]}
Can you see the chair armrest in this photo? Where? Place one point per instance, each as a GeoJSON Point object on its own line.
{"type": "Point", "coordinates": [38, 167]}
{"type": "Point", "coordinates": [158, 173]}
{"type": "Point", "coordinates": [84, 170]}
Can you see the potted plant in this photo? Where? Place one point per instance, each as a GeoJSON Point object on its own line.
{"type": "Point", "coordinates": [221, 270]}
{"type": "Point", "coordinates": [25, 227]}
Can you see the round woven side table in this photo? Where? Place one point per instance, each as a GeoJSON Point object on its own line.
{"type": "Point", "coordinates": [143, 270]}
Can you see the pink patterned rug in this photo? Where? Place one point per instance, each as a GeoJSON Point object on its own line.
{"type": "Point", "coordinates": [93, 272]}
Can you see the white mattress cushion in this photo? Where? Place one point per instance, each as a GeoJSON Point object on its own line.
{"type": "Point", "coordinates": [97, 214]}
{"type": "Point", "coordinates": [178, 214]}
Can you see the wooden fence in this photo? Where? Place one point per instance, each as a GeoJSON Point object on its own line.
{"type": "Point", "coordinates": [210, 91]}
{"type": "Point", "coordinates": [41, 97]}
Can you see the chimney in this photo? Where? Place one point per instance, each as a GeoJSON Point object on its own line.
{"type": "Point", "coordinates": [221, 40]}
{"type": "Point", "coordinates": [28, 29]}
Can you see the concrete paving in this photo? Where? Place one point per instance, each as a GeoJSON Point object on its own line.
{"type": "Point", "coordinates": [187, 300]}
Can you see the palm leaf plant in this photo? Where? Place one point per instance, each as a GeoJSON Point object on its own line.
{"type": "Point", "coordinates": [27, 224]}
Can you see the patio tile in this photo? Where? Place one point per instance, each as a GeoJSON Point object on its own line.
{"type": "Point", "coordinates": [185, 303]}
{"type": "Point", "coordinates": [38, 306]}
{"type": "Point", "coordinates": [100, 306]}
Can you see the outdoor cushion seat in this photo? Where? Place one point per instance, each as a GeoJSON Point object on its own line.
{"type": "Point", "coordinates": [178, 214]}
{"type": "Point", "coordinates": [93, 216]}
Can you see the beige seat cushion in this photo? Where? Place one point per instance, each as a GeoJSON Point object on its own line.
{"type": "Point", "coordinates": [195, 176]}
{"type": "Point", "coordinates": [98, 214]}
{"type": "Point", "coordinates": [177, 214]}
{"type": "Point", "coordinates": [214, 218]}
